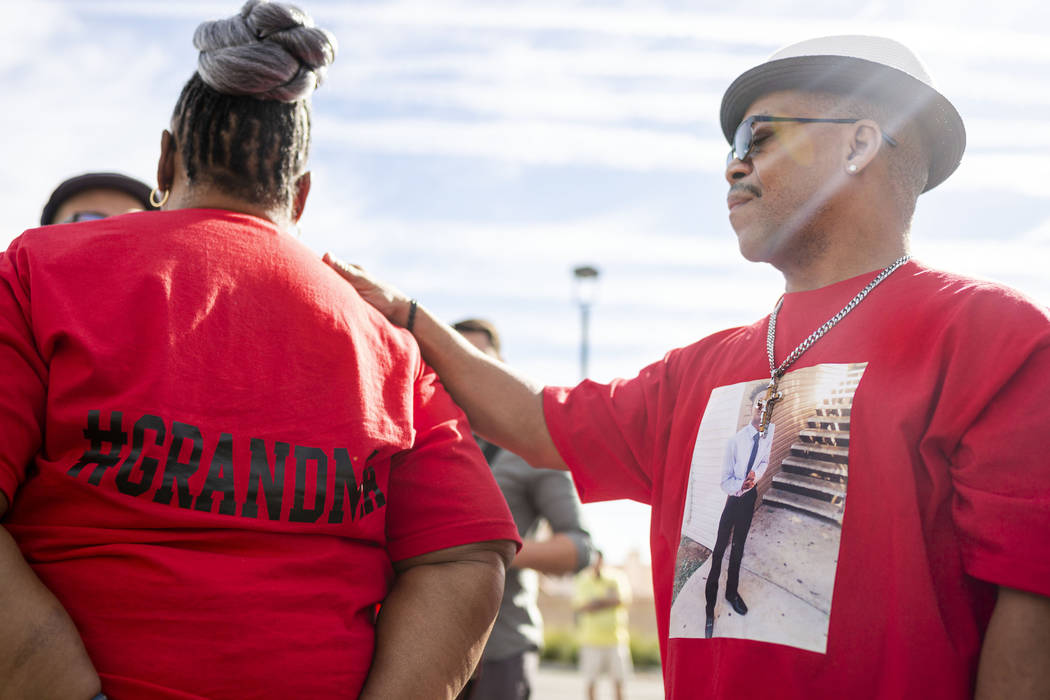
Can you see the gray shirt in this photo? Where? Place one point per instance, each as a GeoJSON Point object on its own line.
{"type": "Point", "coordinates": [532, 494]}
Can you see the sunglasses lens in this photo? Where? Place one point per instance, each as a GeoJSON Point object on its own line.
{"type": "Point", "coordinates": [742, 139]}
{"type": "Point", "coordinates": [84, 216]}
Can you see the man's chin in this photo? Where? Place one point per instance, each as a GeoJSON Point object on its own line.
{"type": "Point", "coordinates": [751, 249]}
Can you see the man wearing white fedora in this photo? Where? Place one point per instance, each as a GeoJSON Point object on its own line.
{"type": "Point", "coordinates": [940, 586]}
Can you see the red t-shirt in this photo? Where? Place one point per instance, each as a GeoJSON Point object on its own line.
{"type": "Point", "coordinates": [214, 449]}
{"type": "Point", "coordinates": [948, 494]}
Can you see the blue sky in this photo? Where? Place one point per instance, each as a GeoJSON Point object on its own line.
{"type": "Point", "coordinates": [474, 152]}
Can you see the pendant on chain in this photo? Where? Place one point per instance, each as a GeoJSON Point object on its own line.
{"type": "Point", "coordinates": [772, 396]}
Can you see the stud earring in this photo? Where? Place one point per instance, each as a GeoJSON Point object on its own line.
{"type": "Point", "coordinates": [851, 168]}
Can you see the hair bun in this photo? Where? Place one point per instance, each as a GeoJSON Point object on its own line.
{"type": "Point", "coordinates": [270, 50]}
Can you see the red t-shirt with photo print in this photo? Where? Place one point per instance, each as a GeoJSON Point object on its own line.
{"type": "Point", "coordinates": [948, 490]}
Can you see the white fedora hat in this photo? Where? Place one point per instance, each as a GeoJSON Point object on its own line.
{"type": "Point", "coordinates": [875, 68]}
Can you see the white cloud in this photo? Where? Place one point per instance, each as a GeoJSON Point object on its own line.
{"type": "Point", "coordinates": [83, 103]}
{"type": "Point", "coordinates": [1009, 88]}
{"type": "Point", "coordinates": [579, 102]}
{"type": "Point", "coordinates": [933, 28]}
{"type": "Point", "coordinates": [1024, 136]}
{"type": "Point", "coordinates": [26, 34]}
{"type": "Point", "coordinates": [1039, 235]}
{"type": "Point", "coordinates": [1020, 263]}
{"type": "Point", "coordinates": [1025, 173]}
{"type": "Point", "coordinates": [533, 143]}
{"type": "Point", "coordinates": [521, 59]}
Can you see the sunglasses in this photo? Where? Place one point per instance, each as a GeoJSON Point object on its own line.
{"type": "Point", "coordinates": [744, 137]}
{"type": "Point", "coordinates": [83, 216]}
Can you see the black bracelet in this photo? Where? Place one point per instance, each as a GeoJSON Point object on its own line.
{"type": "Point", "coordinates": [412, 306]}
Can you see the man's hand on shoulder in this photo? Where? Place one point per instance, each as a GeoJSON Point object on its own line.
{"type": "Point", "coordinates": [503, 406]}
{"type": "Point", "coordinates": [386, 298]}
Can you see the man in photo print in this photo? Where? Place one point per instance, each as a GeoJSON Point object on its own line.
{"type": "Point", "coordinates": [746, 459]}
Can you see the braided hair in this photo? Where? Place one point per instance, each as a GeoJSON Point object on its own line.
{"type": "Point", "coordinates": [242, 122]}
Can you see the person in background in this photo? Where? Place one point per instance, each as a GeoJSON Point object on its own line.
{"type": "Point", "coordinates": [511, 656]}
{"type": "Point", "coordinates": [95, 196]}
{"type": "Point", "coordinates": [204, 493]}
{"type": "Point", "coordinates": [600, 603]}
{"type": "Point", "coordinates": [942, 580]}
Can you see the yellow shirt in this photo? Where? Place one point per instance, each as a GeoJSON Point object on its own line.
{"type": "Point", "coordinates": [606, 627]}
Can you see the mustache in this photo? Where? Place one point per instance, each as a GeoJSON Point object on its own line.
{"type": "Point", "coordinates": [745, 187]}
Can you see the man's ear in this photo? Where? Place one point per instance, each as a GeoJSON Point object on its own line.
{"type": "Point", "coordinates": [865, 142]}
{"type": "Point", "coordinates": [302, 191]}
{"type": "Point", "coordinates": [166, 162]}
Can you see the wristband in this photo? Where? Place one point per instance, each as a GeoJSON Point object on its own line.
{"type": "Point", "coordinates": [412, 306]}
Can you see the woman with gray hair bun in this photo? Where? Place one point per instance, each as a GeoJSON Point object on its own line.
{"type": "Point", "coordinates": [242, 459]}
{"type": "Point", "coordinates": [251, 149]}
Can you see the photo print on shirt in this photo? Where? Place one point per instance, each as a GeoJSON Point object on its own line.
{"type": "Point", "coordinates": [790, 522]}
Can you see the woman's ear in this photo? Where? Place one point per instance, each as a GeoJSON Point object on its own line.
{"type": "Point", "coordinates": [302, 191]}
{"type": "Point", "coordinates": [166, 162]}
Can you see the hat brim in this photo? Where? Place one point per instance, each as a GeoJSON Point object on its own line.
{"type": "Point", "coordinates": [95, 181]}
{"type": "Point", "coordinates": [942, 128]}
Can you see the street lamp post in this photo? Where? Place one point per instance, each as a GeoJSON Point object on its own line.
{"type": "Point", "coordinates": [585, 288]}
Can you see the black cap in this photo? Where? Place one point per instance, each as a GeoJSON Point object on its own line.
{"type": "Point", "coordinates": [95, 181]}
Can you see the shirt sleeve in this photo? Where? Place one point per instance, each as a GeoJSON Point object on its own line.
{"type": "Point", "coordinates": [730, 483]}
{"type": "Point", "coordinates": [556, 499]}
{"type": "Point", "coordinates": [23, 391]}
{"type": "Point", "coordinates": [1000, 468]}
{"type": "Point", "coordinates": [608, 433]}
{"type": "Point", "coordinates": [442, 493]}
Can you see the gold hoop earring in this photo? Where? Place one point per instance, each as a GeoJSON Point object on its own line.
{"type": "Point", "coordinates": [153, 198]}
